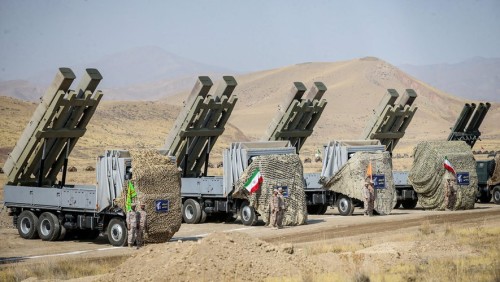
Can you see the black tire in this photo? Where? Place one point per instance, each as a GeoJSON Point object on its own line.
{"type": "Point", "coordinates": [248, 215]}
{"type": "Point", "coordinates": [27, 223]}
{"type": "Point", "coordinates": [496, 195]}
{"type": "Point", "coordinates": [485, 197]}
{"type": "Point", "coordinates": [48, 227]}
{"type": "Point", "coordinates": [191, 211]}
{"type": "Point", "coordinates": [397, 205]}
{"type": "Point", "coordinates": [312, 209]}
{"type": "Point", "coordinates": [322, 209]}
{"type": "Point", "coordinates": [117, 232]}
{"type": "Point", "coordinates": [409, 204]}
{"type": "Point", "coordinates": [203, 217]}
{"type": "Point", "coordinates": [345, 205]}
{"type": "Point", "coordinates": [63, 233]}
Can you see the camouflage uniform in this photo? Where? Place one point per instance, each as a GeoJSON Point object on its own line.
{"type": "Point", "coordinates": [132, 226]}
{"type": "Point", "coordinates": [450, 194]}
{"type": "Point", "coordinates": [275, 206]}
{"type": "Point", "coordinates": [141, 226]}
{"type": "Point", "coordinates": [369, 197]}
{"type": "Point", "coordinates": [281, 210]}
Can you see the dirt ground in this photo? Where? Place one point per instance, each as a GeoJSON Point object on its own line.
{"type": "Point", "coordinates": [329, 248]}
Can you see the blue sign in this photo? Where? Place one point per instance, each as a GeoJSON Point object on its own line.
{"type": "Point", "coordinates": [379, 181]}
{"type": "Point", "coordinates": [162, 205]}
{"type": "Point", "coordinates": [463, 178]}
{"type": "Point", "coordinates": [285, 190]}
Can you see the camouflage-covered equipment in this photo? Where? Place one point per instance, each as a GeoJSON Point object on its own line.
{"type": "Point", "coordinates": [345, 168]}
{"type": "Point", "coordinates": [495, 176]}
{"type": "Point", "coordinates": [428, 174]}
{"type": "Point", "coordinates": [283, 171]}
{"type": "Point", "coordinates": [156, 178]}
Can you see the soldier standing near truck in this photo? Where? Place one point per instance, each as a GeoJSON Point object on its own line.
{"type": "Point", "coordinates": [275, 207]}
{"type": "Point", "coordinates": [142, 225]}
{"type": "Point", "coordinates": [450, 191]}
{"type": "Point", "coordinates": [132, 225]}
{"type": "Point", "coordinates": [369, 196]}
{"type": "Point", "coordinates": [281, 211]}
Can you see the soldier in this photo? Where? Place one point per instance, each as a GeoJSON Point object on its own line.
{"type": "Point", "coordinates": [275, 204]}
{"type": "Point", "coordinates": [281, 211]}
{"type": "Point", "coordinates": [450, 193]}
{"type": "Point", "coordinates": [369, 195]}
{"type": "Point", "coordinates": [132, 225]}
{"type": "Point", "coordinates": [141, 224]}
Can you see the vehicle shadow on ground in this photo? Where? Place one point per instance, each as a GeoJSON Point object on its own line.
{"type": "Point", "coordinates": [7, 260]}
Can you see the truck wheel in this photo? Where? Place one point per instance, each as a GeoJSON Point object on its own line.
{"type": "Point", "coordinates": [27, 223]}
{"type": "Point", "coordinates": [496, 195]}
{"type": "Point", "coordinates": [312, 209]}
{"type": "Point", "coordinates": [322, 209]}
{"type": "Point", "coordinates": [409, 204]}
{"type": "Point", "coordinates": [203, 217]}
{"type": "Point", "coordinates": [248, 215]}
{"type": "Point", "coordinates": [48, 227]}
{"type": "Point", "coordinates": [345, 206]}
{"type": "Point", "coordinates": [62, 235]}
{"type": "Point", "coordinates": [485, 197]}
{"type": "Point", "coordinates": [191, 211]}
{"type": "Point", "coordinates": [117, 232]}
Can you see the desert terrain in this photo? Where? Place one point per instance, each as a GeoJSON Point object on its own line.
{"type": "Point", "coordinates": [414, 245]}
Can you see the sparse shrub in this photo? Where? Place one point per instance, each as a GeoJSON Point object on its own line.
{"type": "Point", "coordinates": [425, 228]}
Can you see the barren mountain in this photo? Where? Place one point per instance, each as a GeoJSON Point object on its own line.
{"type": "Point", "coordinates": [354, 90]}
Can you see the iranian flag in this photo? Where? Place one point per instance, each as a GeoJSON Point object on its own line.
{"type": "Point", "coordinates": [447, 165]}
{"type": "Point", "coordinates": [253, 183]}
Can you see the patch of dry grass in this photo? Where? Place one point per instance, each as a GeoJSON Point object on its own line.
{"type": "Point", "coordinates": [60, 269]}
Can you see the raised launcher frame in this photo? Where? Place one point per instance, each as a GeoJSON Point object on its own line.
{"type": "Point", "coordinates": [466, 127]}
{"type": "Point", "coordinates": [297, 115]}
{"type": "Point", "coordinates": [59, 121]}
{"type": "Point", "coordinates": [390, 120]}
{"type": "Point", "coordinates": [199, 125]}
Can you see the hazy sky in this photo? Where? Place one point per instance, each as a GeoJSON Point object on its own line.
{"type": "Point", "coordinates": [246, 35]}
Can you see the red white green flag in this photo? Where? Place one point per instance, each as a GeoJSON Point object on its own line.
{"type": "Point", "coordinates": [447, 165]}
{"type": "Point", "coordinates": [253, 183]}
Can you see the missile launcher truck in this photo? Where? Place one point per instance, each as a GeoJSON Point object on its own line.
{"type": "Point", "coordinates": [196, 130]}
{"type": "Point", "coordinates": [43, 207]}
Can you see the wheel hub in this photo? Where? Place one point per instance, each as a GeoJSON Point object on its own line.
{"type": "Point", "coordinates": [116, 232]}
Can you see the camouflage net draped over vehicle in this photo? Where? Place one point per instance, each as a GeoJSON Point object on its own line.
{"type": "Point", "coordinates": [156, 177]}
{"type": "Point", "coordinates": [495, 177]}
{"type": "Point", "coordinates": [350, 179]}
{"type": "Point", "coordinates": [428, 175]}
{"type": "Point", "coordinates": [276, 171]}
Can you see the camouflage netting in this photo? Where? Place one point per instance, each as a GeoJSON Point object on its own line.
{"type": "Point", "coordinates": [350, 179]}
{"type": "Point", "coordinates": [428, 174]}
{"type": "Point", "coordinates": [156, 177]}
{"type": "Point", "coordinates": [495, 177]}
{"type": "Point", "coordinates": [277, 170]}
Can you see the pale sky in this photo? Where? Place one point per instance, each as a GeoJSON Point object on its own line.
{"type": "Point", "coordinates": [37, 35]}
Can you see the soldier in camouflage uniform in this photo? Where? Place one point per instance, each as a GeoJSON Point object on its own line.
{"type": "Point", "coordinates": [450, 193]}
{"type": "Point", "coordinates": [141, 225]}
{"type": "Point", "coordinates": [132, 225]}
{"type": "Point", "coordinates": [369, 196]}
{"type": "Point", "coordinates": [281, 211]}
{"type": "Point", "coordinates": [275, 207]}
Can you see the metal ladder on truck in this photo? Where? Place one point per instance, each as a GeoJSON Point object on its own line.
{"type": "Point", "coordinates": [388, 125]}
{"type": "Point", "coordinates": [294, 122]}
